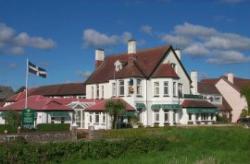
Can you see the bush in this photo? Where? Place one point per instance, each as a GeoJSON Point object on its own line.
{"type": "Point", "coordinates": [53, 127]}
{"type": "Point", "coordinates": [9, 128]}
{"type": "Point", "coordinates": [58, 152]}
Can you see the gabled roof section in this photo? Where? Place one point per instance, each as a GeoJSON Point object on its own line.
{"type": "Point", "coordinates": [207, 86]}
{"type": "Point", "coordinates": [146, 61]}
{"type": "Point", "coordinates": [165, 70]}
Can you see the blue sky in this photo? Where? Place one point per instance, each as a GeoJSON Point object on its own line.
{"type": "Point", "coordinates": [61, 35]}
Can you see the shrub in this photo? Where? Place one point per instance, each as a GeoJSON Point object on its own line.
{"type": "Point", "coordinates": [58, 152]}
{"type": "Point", "coordinates": [53, 127]}
{"type": "Point", "coordinates": [9, 128]}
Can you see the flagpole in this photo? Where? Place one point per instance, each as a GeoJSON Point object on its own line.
{"type": "Point", "coordinates": [26, 84]}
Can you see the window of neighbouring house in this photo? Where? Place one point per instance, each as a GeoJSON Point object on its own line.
{"type": "Point", "coordinates": [103, 118]}
{"type": "Point", "coordinates": [113, 89]}
{"type": "Point", "coordinates": [174, 89]}
{"type": "Point", "coordinates": [166, 118]}
{"type": "Point", "coordinates": [90, 118]}
{"type": "Point", "coordinates": [139, 87]}
{"type": "Point", "coordinates": [157, 116]}
{"type": "Point", "coordinates": [189, 116]}
{"type": "Point", "coordinates": [156, 89]}
{"type": "Point", "coordinates": [102, 91]}
{"type": "Point", "coordinates": [121, 87]}
{"type": "Point", "coordinates": [96, 117]}
{"type": "Point", "coordinates": [92, 92]}
{"type": "Point", "coordinates": [165, 89]}
{"type": "Point", "coordinates": [180, 90]}
{"type": "Point", "coordinates": [97, 91]}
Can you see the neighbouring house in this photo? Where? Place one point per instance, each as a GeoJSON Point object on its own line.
{"type": "Point", "coordinates": [5, 93]}
{"type": "Point", "coordinates": [152, 81]}
{"type": "Point", "coordinates": [225, 93]}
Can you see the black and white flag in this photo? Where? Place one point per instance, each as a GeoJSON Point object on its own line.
{"type": "Point", "coordinates": [37, 70]}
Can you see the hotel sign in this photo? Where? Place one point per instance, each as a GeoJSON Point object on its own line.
{"type": "Point", "coordinates": [28, 118]}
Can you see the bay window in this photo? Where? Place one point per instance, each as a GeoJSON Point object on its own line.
{"type": "Point", "coordinates": [96, 117]}
{"type": "Point", "coordinates": [165, 89]}
{"type": "Point", "coordinates": [97, 91]}
{"type": "Point", "coordinates": [139, 87]}
{"type": "Point", "coordinates": [180, 90]}
{"type": "Point", "coordinates": [174, 89]}
{"type": "Point", "coordinates": [102, 91]}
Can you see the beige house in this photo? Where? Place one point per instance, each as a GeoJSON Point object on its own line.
{"type": "Point", "coordinates": [224, 92]}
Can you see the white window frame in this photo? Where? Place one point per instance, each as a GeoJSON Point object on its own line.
{"type": "Point", "coordinates": [139, 87]}
{"type": "Point", "coordinates": [102, 88]}
{"type": "Point", "coordinates": [157, 116]}
{"type": "Point", "coordinates": [180, 90]}
{"type": "Point", "coordinates": [97, 91]}
{"type": "Point", "coordinates": [97, 118]}
{"type": "Point", "coordinates": [121, 88]}
{"type": "Point", "coordinates": [165, 86]}
{"type": "Point", "coordinates": [92, 92]}
{"type": "Point", "coordinates": [156, 88]}
{"type": "Point", "coordinates": [114, 89]}
{"type": "Point", "coordinates": [174, 89]}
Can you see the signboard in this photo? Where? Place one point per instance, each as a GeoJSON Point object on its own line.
{"type": "Point", "coordinates": [28, 118]}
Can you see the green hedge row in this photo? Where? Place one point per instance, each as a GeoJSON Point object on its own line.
{"type": "Point", "coordinates": [53, 127]}
{"type": "Point", "coordinates": [10, 129]}
{"type": "Point", "coordinates": [58, 152]}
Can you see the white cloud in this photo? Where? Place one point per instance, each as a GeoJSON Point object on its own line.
{"type": "Point", "coordinates": [146, 29]}
{"type": "Point", "coordinates": [202, 41]}
{"type": "Point", "coordinates": [15, 43]}
{"type": "Point", "coordinates": [178, 41]}
{"type": "Point", "coordinates": [83, 74]}
{"type": "Point", "coordinates": [228, 57]}
{"type": "Point", "coordinates": [196, 49]}
{"type": "Point", "coordinates": [93, 38]}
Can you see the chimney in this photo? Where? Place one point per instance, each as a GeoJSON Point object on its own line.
{"type": "Point", "coordinates": [131, 46]}
{"type": "Point", "coordinates": [230, 77]}
{"type": "Point", "coordinates": [194, 84]}
{"type": "Point", "coordinates": [99, 57]}
{"type": "Point", "coordinates": [178, 53]}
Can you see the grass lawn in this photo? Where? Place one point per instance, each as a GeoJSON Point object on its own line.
{"type": "Point", "coordinates": [201, 145]}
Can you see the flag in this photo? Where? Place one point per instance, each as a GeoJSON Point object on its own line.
{"type": "Point", "coordinates": [37, 70]}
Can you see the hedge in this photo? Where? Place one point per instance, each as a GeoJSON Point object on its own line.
{"type": "Point", "coordinates": [9, 128]}
{"type": "Point", "coordinates": [53, 127]}
{"type": "Point", "coordinates": [59, 152]}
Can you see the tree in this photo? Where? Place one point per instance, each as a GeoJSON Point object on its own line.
{"type": "Point", "coordinates": [246, 92]}
{"type": "Point", "coordinates": [12, 118]}
{"type": "Point", "coordinates": [115, 108]}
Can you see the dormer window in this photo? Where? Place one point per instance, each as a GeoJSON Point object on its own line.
{"type": "Point", "coordinates": [118, 66]}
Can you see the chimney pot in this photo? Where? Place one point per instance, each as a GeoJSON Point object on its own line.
{"type": "Point", "coordinates": [99, 57]}
{"type": "Point", "coordinates": [131, 46]}
{"type": "Point", "coordinates": [230, 77]}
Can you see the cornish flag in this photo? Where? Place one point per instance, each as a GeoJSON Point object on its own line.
{"type": "Point", "coordinates": [37, 70]}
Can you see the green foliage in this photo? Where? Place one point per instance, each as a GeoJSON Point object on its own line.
{"type": "Point", "coordinates": [53, 127]}
{"type": "Point", "coordinates": [246, 92]}
{"type": "Point", "coordinates": [12, 118]}
{"type": "Point", "coordinates": [244, 113]}
{"type": "Point", "coordinates": [9, 128]}
{"type": "Point", "coordinates": [222, 119]}
{"type": "Point", "coordinates": [58, 152]}
{"type": "Point", "coordinates": [115, 108]}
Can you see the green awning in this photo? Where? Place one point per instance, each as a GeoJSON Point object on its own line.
{"type": "Point", "coordinates": [202, 110]}
{"type": "Point", "coordinates": [156, 107]}
{"type": "Point", "coordinates": [129, 114]}
{"type": "Point", "coordinates": [166, 106]}
{"type": "Point", "coordinates": [140, 106]}
{"type": "Point", "coordinates": [59, 114]}
{"type": "Point", "coordinates": [171, 106]}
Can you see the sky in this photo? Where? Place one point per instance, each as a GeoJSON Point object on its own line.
{"type": "Point", "coordinates": [61, 35]}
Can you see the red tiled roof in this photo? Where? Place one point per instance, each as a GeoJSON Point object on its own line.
{"type": "Point", "coordinates": [165, 70]}
{"type": "Point", "coordinates": [225, 106]}
{"type": "Point", "coordinates": [207, 86]}
{"type": "Point", "coordinates": [144, 64]}
{"type": "Point", "coordinates": [197, 104]}
{"type": "Point", "coordinates": [100, 106]}
{"type": "Point", "coordinates": [39, 103]}
{"type": "Point", "coordinates": [71, 89]}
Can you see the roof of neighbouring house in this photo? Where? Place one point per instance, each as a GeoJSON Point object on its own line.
{"type": "Point", "coordinates": [207, 86]}
{"type": "Point", "coordinates": [39, 103]}
{"type": "Point", "coordinates": [69, 89]}
{"type": "Point", "coordinates": [100, 106]}
{"type": "Point", "coordinates": [143, 63]}
{"type": "Point", "coordinates": [197, 104]}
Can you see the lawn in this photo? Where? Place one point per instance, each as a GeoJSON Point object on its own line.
{"type": "Point", "coordinates": [201, 145]}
